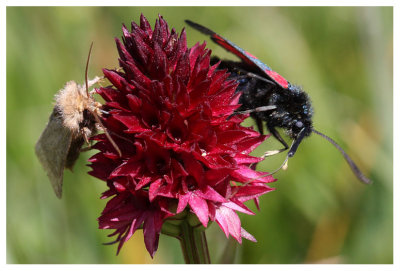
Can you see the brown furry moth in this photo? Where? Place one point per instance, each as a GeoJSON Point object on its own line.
{"type": "Point", "coordinates": [74, 119]}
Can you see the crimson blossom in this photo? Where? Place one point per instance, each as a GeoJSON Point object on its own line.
{"type": "Point", "coordinates": [183, 150]}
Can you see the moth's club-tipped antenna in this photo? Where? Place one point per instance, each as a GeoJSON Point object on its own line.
{"type": "Point", "coordinates": [349, 161]}
{"type": "Point", "coordinates": [292, 150]}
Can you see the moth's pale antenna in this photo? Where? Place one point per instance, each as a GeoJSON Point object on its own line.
{"type": "Point", "coordinates": [94, 113]}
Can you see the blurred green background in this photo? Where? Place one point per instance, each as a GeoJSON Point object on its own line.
{"type": "Point", "coordinates": [319, 213]}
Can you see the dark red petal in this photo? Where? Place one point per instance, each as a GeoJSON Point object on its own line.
{"type": "Point", "coordinates": [132, 122]}
{"type": "Point", "coordinates": [183, 201]}
{"type": "Point", "coordinates": [161, 191]}
{"type": "Point", "coordinates": [143, 182]}
{"type": "Point", "coordinates": [238, 206]}
{"type": "Point", "coordinates": [247, 235]}
{"type": "Point", "coordinates": [199, 207]}
{"type": "Point", "coordinates": [245, 193]}
{"type": "Point", "coordinates": [116, 79]}
{"type": "Point", "coordinates": [145, 26]}
{"type": "Point", "coordinates": [229, 222]}
{"type": "Point", "coordinates": [101, 166]}
{"type": "Point", "coordinates": [224, 110]}
{"type": "Point", "coordinates": [210, 194]}
{"type": "Point", "coordinates": [231, 137]}
{"type": "Point", "coordinates": [151, 231]}
{"type": "Point", "coordinates": [128, 168]}
{"type": "Point", "coordinates": [194, 168]}
{"type": "Point", "coordinates": [246, 146]}
{"type": "Point", "coordinates": [182, 69]}
{"type": "Point", "coordinates": [244, 174]}
{"type": "Point", "coordinates": [246, 159]}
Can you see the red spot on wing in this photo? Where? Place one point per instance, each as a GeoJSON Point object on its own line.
{"type": "Point", "coordinates": [231, 48]}
{"type": "Point", "coordinates": [250, 59]}
{"type": "Point", "coordinates": [250, 55]}
{"type": "Point", "coordinates": [277, 78]}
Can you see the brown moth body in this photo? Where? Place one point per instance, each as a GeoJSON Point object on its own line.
{"type": "Point", "coordinates": [75, 117]}
{"type": "Point", "coordinates": [70, 125]}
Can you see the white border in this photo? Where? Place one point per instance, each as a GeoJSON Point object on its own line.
{"type": "Point", "coordinates": [307, 267]}
{"type": "Point", "coordinates": [202, 3]}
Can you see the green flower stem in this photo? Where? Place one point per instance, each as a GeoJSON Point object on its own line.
{"type": "Point", "coordinates": [194, 244]}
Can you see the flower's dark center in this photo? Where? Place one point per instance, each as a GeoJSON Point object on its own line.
{"type": "Point", "coordinates": [153, 122]}
{"type": "Point", "coordinates": [203, 146]}
{"type": "Point", "coordinates": [176, 134]}
{"type": "Point", "coordinates": [161, 166]}
{"type": "Point", "coordinates": [191, 183]}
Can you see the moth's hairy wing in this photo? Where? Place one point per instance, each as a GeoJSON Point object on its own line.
{"type": "Point", "coordinates": [52, 150]}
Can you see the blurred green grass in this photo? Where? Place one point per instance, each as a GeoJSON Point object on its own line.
{"type": "Point", "coordinates": [342, 56]}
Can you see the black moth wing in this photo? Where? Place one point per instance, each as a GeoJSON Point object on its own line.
{"type": "Point", "coordinates": [53, 148]}
{"type": "Point", "coordinates": [242, 54]}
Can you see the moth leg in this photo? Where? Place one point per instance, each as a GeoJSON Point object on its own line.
{"type": "Point", "coordinates": [94, 81]}
{"type": "Point", "coordinates": [84, 131]}
{"type": "Point", "coordinates": [86, 149]}
{"type": "Point", "coordinates": [247, 91]}
{"type": "Point", "coordinates": [122, 137]}
{"type": "Point", "coordinates": [85, 137]}
{"type": "Point", "coordinates": [97, 80]}
{"type": "Point", "coordinates": [107, 134]}
{"type": "Point", "coordinates": [276, 134]}
{"type": "Point", "coordinates": [260, 125]}
{"type": "Point", "coordinates": [257, 109]}
{"type": "Point", "coordinates": [253, 75]}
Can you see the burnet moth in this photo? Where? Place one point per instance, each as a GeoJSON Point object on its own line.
{"type": "Point", "coordinates": [272, 99]}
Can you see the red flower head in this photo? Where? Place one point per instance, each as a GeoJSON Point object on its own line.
{"type": "Point", "coordinates": [170, 113]}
